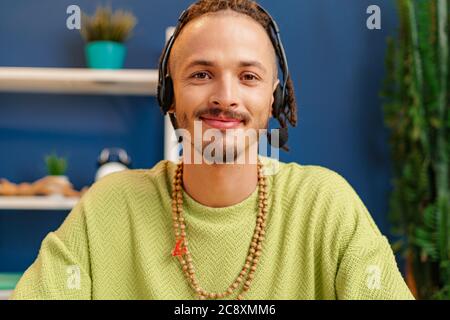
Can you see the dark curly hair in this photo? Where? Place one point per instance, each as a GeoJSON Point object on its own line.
{"type": "Point", "coordinates": [249, 7]}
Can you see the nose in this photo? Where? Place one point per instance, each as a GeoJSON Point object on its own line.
{"type": "Point", "coordinates": [226, 92]}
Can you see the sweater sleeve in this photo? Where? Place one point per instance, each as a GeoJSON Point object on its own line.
{"type": "Point", "coordinates": [61, 269]}
{"type": "Point", "coordinates": [367, 268]}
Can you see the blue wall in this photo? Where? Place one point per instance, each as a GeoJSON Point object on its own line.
{"type": "Point", "coordinates": [336, 63]}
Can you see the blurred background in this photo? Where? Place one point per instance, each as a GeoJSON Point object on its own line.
{"type": "Point", "coordinates": [350, 96]}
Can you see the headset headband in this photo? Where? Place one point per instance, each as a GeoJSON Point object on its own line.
{"type": "Point", "coordinates": [163, 65]}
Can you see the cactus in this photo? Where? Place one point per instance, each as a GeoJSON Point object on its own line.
{"type": "Point", "coordinates": [55, 166]}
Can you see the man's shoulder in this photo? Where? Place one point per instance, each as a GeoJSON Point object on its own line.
{"type": "Point", "coordinates": [316, 178]}
{"type": "Point", "coordinates": [122, 178]}
{"type": "Point", "coordinates": [323, 192]}
{"type": "Point", "coordinates": [129, 183]}
{"type": "Point", "coordinates": [324, 198]}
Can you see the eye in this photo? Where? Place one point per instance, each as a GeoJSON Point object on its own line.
{"type": "Point", "coordinates": [249, 76]}
{"type": "Point", "coordinates": [200, 75]}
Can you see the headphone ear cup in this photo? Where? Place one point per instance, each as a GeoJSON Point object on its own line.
{"type": "Point", "coordinates": [167, 94]}
{"type": "Point", "coordinates": [277, 101]}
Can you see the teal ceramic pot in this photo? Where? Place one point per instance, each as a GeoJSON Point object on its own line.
{"type": "Point", "coordinates": [105, 54]}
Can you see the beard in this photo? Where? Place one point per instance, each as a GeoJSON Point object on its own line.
{"type": "Point", "coordinates": [222, 151]}
{"type": "Point", "coordinates": [226, 146]}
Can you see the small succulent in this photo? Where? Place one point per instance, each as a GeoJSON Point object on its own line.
{"type": "Point", "coordinates": [106, 25]}
{"type": "Point", "coordinates": [56, 166]}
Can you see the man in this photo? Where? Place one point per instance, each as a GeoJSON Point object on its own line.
{"type": "Point", "coordinates": [219, 227]}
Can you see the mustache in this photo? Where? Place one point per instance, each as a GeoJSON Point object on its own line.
{"type": "Point", "coordinates": [216, 112]}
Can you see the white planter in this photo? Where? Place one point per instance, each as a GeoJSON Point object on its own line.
{"type": "Point", "coordinates": [56, 185]}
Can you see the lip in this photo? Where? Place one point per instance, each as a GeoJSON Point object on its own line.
{"type": "Point", "coordinates": [221, 123]}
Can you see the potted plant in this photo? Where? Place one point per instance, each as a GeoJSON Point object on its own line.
{"type": "Point", "coordinates": [416, 107]}
{"type": "Point", "coordinates": [105, 33]}
{"type": "Point", "coordinates": [56, 180]}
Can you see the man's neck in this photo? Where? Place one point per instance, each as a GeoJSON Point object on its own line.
{"type": "Point", "coordinates": [220, 185]}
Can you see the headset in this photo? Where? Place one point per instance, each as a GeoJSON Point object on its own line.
{"type": "Point", "coordinates": [165, 85]}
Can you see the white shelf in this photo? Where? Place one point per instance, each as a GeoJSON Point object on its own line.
{"type": "Point", "coordinates": [37, 202]}
{"type": "Point", "coordinates": [5, 294]}
{"type": "Point", "coordinates": [79, 80]}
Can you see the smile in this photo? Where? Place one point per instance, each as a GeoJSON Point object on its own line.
{"type": "Point", "coordinates": [221, 123]}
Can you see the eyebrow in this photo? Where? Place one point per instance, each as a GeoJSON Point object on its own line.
{"type": "Point", "coordinates": [208, 63]}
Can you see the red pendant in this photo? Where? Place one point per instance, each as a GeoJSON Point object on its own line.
{"type": "Point", "coordinates": [179, 249]}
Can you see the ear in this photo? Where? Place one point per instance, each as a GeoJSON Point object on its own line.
{"type": "Point", "coordinates": [172, 106]}
{"type": "Point", "coordinates": [273, 97]}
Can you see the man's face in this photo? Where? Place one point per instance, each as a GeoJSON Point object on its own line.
{"type": "Point", "coordinates": [223, 68]}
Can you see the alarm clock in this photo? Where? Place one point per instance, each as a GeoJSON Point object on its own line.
{"type": "Point", "coordinates": [112, 160]}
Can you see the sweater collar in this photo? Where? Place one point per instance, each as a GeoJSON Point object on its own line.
{"type": "Point", "coordinates": [247, 208]}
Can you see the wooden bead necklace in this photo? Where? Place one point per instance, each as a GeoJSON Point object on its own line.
{"type": "Point", "coordinates": [181, 249]}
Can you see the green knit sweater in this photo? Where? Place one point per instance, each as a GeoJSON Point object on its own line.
{"type": "Point", "coordinates": [321, 242]}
